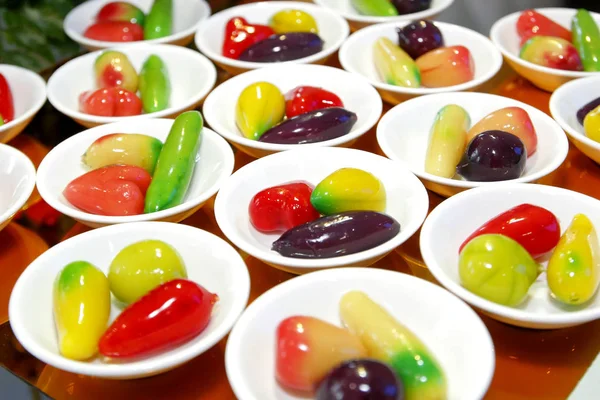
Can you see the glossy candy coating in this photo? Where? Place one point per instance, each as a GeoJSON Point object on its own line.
{"type": "Point", "coordinates": [115, 190]}
{"type": "Point", "coordinates": [155, 87]}
{"type": "Point", "coordinates": [497, 268]}
{"type": "Point", "coordinates": [168, 316]}
{"type": "Point", "coordinates": [411, 6]}
{"type": "Point", "coordinates": [349, 189]}
{"type": "Point", "coordinates": [110, 102]}
{"type": "Point", "coordinates": [260, 107]}
{"type": "Point", "coordinates": [493, 156]}
{"type": "Point", "coordinates": [378, 8]}
{"type": "Point", "coordinates": [586, 39]}
{"type": "Point", "coordinates": [303, 99]}
{"type": "Point", "coordinates": [551, 52]}
{"type": "Point", "coordinates": [114, 31]}
{"type": "Point", "coordinates": [574, 269]}
{"type": "Point", "coordinates": [81, 309]}
{"type": "Point", "coordinates": [308, 348]}
{"type": "Point", "coordinates": [312, 127]}
{"type": "Point", "coordinates": [388, 340]}
{"type": "Point", "coordinates": [285, 47]}
{"type": "Point", "coordinates": [286, 21]}
{"type": "Point", "coordinates": [113, 69]}
{"type": "Point", "coordinates": [282, 207]}
{"type": "Point", "coordinates": [531, 23]}
{"type": "Point", "coordinates": [446, 66]}
{"type": "Point", "coordinates": [394, 66]}
{"type": "Point", "coordinates": [125, 149]}
{"type": "Point", "coordinates": [513, 120]}
{"type": "Point", "coordinates": [447, 141]}
{"type": "Point", "coordinates": [362, 379]}
{"type": "Point", "coordinates": [142, 266]}
{"type": "Point", "coordinates": [7, 108]}
{"type": "Point", "coordinates": [533, 227]}
{"type": "Point", "coordinates": [591, 124]}
{"type": "Point", "coordinates": [583, 111]}
{"type": "Point", "coordinates": [159, 22]}
{"type": "Point", "coordinates": [239, 35]}
{"type": "Point", "coordinates": [419, 37]}
{"type": "Point", "coordinates": [176, 163]}
{"type": "Point", "coordinates": [337, 235]}
{"type": "Point", "coordinates": [121, 11]}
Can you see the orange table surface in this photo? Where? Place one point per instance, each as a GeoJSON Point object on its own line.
{"type": "Point", "coordinates": [530, 364]}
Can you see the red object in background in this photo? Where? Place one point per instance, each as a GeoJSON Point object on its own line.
{"type": "Point", "coordinates": [167, 316]}
{"type": "Point", "coordinates": [533, 227]}
{"type": "Point", "coordinates": [531, 23]}
{"type": "Point", "coordinates": [304, 99]}
{"type": "Point", "coordinates": [283, 207]}
{"type": "Point", "coordinates": [7, 108]}
{"type": "Point", "coordinates": [115, 31]}
{"type": "Point", "coordinates": [110, 102]}
{"type": "Point", "coordinates": [239, 35]}
{"type": "Point", "coordinates": [115, 190]}
{"type": "Point", "coordinates": [41, 214]}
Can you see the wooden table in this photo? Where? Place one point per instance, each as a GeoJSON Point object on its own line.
{"type": "Point", "coordinates": [529, 364]}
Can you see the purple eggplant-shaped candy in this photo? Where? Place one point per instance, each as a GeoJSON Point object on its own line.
{"type": "Point", "coordinates": [583, 111]}
{"type": "Point", "coordinates": [311, 127]}
{"type": "Point", "coordinates": [411, 6]}
{"type": "Point", "coordinates": [285, 47]}
{"type": "Point", "coordinates": [337, 235]}
{"type": "Point", "coordinates": [420, 37]}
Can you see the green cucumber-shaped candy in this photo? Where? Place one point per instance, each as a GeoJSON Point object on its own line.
{"type": "Point", "coordinates": [586, 38]}
{"type": "Point", "coordinates": [155, 87]}
{"type": "Point", "coordinates": [159, 21]}
{"type": "Point", "coordinates": [176, 162]}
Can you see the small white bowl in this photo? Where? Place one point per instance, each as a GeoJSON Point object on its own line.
{"type": "Point", "coordinates": [448, 327]}
{"type": "Point", "coordinates": [209, 260]}
{"type": "Point", "coordinates": [358, 21]}
{"type": "Point", "coordinates": [450, 223]}
{"type": "Point", "coordinates": [191, 74]}
{"type": "Point", "coordinates": [505, 37]}
{"type": "Point", "coordinates": [187, 17]}
{"type": "Point", "coordinates": [29, 95]}
{"type": "Point", "coordinates": [564, 104]}
{"type": "Point", "coordinates": [356, 56]}
{"type": "Point", "coordinates": [403, 135]}
{"type": "Point", "coordinates": [333, 29]}
{"type": "Point", "coordinates": [214, 165]}
{"type": "Point", "coordinates": [355, 92]}
{"type": "Point", "coordinates": [17, 180]}
{"type": "Point", "coordinates": [407, 201]}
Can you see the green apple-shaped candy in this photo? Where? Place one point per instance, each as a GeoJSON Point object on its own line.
{"type": "Point", "coordinates": [497, 268]}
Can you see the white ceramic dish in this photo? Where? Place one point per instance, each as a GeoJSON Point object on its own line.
{"type": "Point", "coordinates": [63, 164]}
{"type": "Point", "coordinates": [448, 327]}
{"type": "Point", "coordinates": [564, 104]}
{"type": "Point", "coordinates": [403, 135]}
{"type": "Point", "coordinates": [355, 92]}
{"type": "Point", "coordinates": [450, 223]}
{"type": "Point", "coordinates": [356, 56]}
{"type": "Point", "coordinates": [187, 17]}
{"type": "Point", "coordinates": [505, 37]}
{"type": "Point", "coordinates": [359, 21]}
{"type": "Point", "coordinates": [210, 262]}
{"type": "Point", "coordinates": [333, 29]}
{"type": "Point", "coordinates": [28, 91]}
{"type": "Point", "coordinates": [407, 201]}
{"type": "Point", "coordinates": [192, 77]}
{"type": "Point", "coordinates": [17, 181]}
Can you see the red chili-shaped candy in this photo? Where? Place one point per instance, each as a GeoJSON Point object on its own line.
{"type": "Point", "coordinates": [533, 227]}
{"type": "Point", "coordinates": [7, 109]}
{"type": "Point", "coordinates": [115, 31]}
{"type": "Point", "coordinates": [305, 99]}
{"type": "Point", "coordinates": [110, 102]}
{"type": "Point", "coordinates": [531, 23]}
{"type": "Point", "coordinates": [239, 35]}
{"type": "Point", "coordinates": [166, 317]}
{"type": "Point", "coordinates": [115, 190]}
{"type": "Point", "coordinates": [281, 208]}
